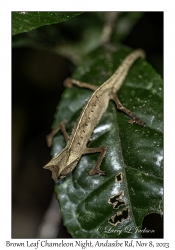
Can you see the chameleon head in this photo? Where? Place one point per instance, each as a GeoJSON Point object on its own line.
{"type": "Point", "coordinates": [67, 169]}
{"type": "Point", "coordinates": [61, 165]}
{"type": "Point", "coordinates": [54, 169]}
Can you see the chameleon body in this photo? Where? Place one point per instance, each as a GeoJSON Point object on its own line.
{"type": "Point", "coordinates": [65, 161]}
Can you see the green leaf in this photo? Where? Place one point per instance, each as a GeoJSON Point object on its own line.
{"type": "Point", "coordinates": [134, 153]}
{"type": "Point", "coordinates": [25, 21]}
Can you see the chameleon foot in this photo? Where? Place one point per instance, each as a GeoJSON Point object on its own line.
{"type": "Point", "coordinates": [95, 171]}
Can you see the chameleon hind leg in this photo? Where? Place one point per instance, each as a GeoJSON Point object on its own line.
{"type": "Point", "coordinates": [134, 119]}
{"type": "Point", "coordinates": [69, 82]}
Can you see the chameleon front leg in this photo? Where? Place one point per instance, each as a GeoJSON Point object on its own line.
{"type": "Point", "coordinates": [102, 151]}
{"type": "Point", "coordinates": [135, 119]}
{"type": "Point", "coordinates": [69, 82]}
{"type": "Point", "coordinates": [49, 137]}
